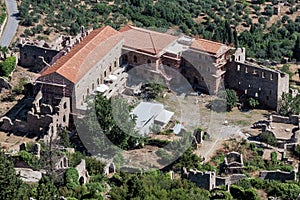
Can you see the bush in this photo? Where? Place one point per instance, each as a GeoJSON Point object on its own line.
{"type": "Point", "coordinates": [268, 137]}
{"type": "Point", "coordinates": [7, 66]}
{"type": "Point", "coordinates": [20, 87]}
{"type": "Point", "coordinates": [71, 178]}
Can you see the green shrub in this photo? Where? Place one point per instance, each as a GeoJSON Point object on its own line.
{"type": "Point", "coordinates": [7, 66]}
{"type": "Point", "coordinates": [71, 178]}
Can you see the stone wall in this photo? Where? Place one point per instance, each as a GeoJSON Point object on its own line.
{"type": "Point", "coordinates": [205, 180]}
{"type": "Point", "coordinates": [278, 175]}
{"type": "Point", "coordinates": [293, 119]}
{"type": "Point", "coordinates": [32, 56]}
{"type": "Point", "coordinates": [4, 84]}
{"type": "Point", "coordinates": [261, 83]}
{"type": "Point", "coordinates": [40, 121]}
{"type": "Point", "coordinates": [96, 76]}
{"type": "Point", "coordinates": [83, 177]}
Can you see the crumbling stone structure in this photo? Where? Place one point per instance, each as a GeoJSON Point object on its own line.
{"type": "Point", "coordinates": [38, 54]}
{"type": "Point", "coordinates": [278, 175]}
{"type": "Point", "coordinates": [63, 163]}
{"type": "Point", "coordinates": [82, 172]}
{"type": "Point", "coordinates": [233, 163]}
{"type": "Point", "coordinates": [209, 180]}
{"type": "Point", "coordinates": [43, 120]}
{"type": "Point", "coordinates": [205, 180]}
{"type": "Point", "coordinates": [259, 82]}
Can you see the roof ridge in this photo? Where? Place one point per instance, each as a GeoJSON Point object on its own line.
{"type": "Point", "coordinates": [82, 48]}
{"type": "Point", "coordinates": [153, 43]}
{"type": "Point", "coordinates": [147, 30]}
{"type": "Point", "coordinates": [210, 41]}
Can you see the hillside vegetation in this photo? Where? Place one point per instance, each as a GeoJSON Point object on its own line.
{"type": "Point", "coordinates": [252, 24]}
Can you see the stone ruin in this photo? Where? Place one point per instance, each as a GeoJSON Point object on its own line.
{"type": "Point", "coordinates": [109, 169]}
{"type": "Point", "coordinates": [36, 149]}
{"type": "Point", "coordinates": [233, 163]}
{"type": "Point", "coordinates": [278, 175]}
{"type": "Point", "coordinates": [209, 180]}
{"type": "Point", "coordinates": [37, 54]}
{"type": "Point", "coordinates": [82, 172]}
{"type": "Point", "coordinates": [63, 163]}
{"type": "Point", "coordinates": [42, 121]}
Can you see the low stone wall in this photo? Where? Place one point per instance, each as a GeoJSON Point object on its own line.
{"type": "Point", "coordinates": [294, 119]}
{"type": "Point", "coordinates": [278, 175]}
{"type": "Point", "coordinates": [4, 84]}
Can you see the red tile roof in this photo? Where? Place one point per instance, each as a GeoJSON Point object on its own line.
{"type": "Point", "coordinates": [83, 56]}
{"type": "Point", "coordinates": [209, 46]}
{"type": "Point", "coordinates": [146, 40]}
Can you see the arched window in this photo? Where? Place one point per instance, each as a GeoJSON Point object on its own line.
{"type": "Point", "coordinates": [104, 73]}
{"type": "Point", "coordinates": [109, 68]}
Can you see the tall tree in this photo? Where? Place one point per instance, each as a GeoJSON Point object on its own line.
{"type": "Point", "coordinates": [11, 186]}
{"type": "Point", "coordinates": [296, 50]}
{"type": "Point", "coordinates": [46, 190]}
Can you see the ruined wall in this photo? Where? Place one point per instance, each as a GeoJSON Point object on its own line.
{"type": "Point", "coordinates": [29, 56]}
{"type": "Point", "coordinates": [53, 88]}
{"type": "Point", "coordinates": [294, 119]}
{"type": "Point", "coordinates": [45, 124]}
{"type": "Point", "coordinates": [204, 180]}
{"type": "Point", "coordinates": [261, 83]}
{"type": "Point", "coordinates": [278, 175]}
{"type": "Point", "coordinates": [83, 177]}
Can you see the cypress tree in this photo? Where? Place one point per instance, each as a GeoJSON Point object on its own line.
{"type": "Point", "coordinates": [296, 50]}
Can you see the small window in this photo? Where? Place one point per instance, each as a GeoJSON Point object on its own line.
{"type": "Point", "coordinates": [256, 94]}
{"type": "Point", "coordinates": [98, 81]}
{"type": "Point", "coordinates": [104, 73]}
{"type": "Point", "coordinates": [271, 76]}
{"type": "Point", "coordinates": [135, 59]}
{"type": "Point", "coordinates": [238, 68]}
{"type": "Point", "coordinates": [246, 69]}
{"type": "Point", "coordinates": [93, 86]}
{"type": "Point", "coordinates": [115, 64]}
{"type": "Point", "coordinates": [270, 92]}
{"type": "Point", "coordinates": [267, 98]}
{"type": "Point", "coordinates": [148, 61]}
{"type": "Point", "coordinates": [110, 69]}
{"type": "Point", "coordinates": [88, 91]}
{"type": "Point", "coordinates": [263, 74]}
{"type": "Point", "coordinates": [65, 105]}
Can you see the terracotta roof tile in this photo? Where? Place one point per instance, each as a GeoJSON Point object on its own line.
{"type": "Point", "coordinates": [146, 40]}
{"type": "Point", "coordinates": [209, 46]}
{"type": "Point", "coordinates": [83, 56]}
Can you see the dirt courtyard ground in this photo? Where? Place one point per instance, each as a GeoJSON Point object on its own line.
{"type": "Point", "coordinates": [193, 113]}
{"type": "Point", "coordinates": [11, 142]}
